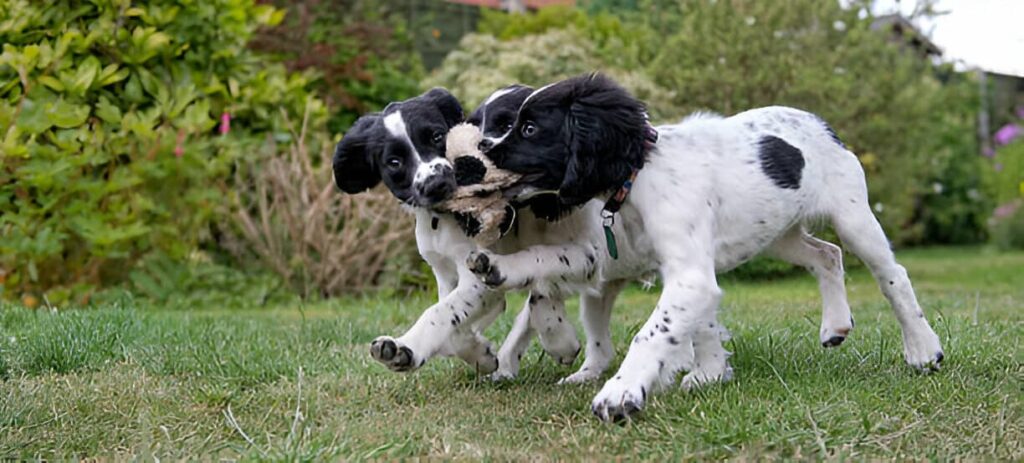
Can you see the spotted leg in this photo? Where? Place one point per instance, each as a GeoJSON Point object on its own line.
{"type": "Point", "coordinates": [550, 263]}
{"type": "Point", "coordinates": [447, 329]}
{"type": "Point", "coordinates": [862, 234]}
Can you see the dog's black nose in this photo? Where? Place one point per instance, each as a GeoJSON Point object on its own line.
{"type": "Point", "coordinates": [485, 145]}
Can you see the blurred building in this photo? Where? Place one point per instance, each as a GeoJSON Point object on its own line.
{"type": "Point", "coordinates": [515, 5]}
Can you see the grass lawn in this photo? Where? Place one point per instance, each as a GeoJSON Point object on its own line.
{"type": "Point", "coordinates": [298, 382]}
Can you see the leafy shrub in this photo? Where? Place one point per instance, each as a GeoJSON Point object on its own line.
{"type": "Point", "coordinates": [111, 146]}
{"type": "Point", "coordinates": [288, 214]}
{"type": "Point", "coordinates": [1004, 178]}
{"type": "Point", "coordinates": [1008, 225]}
{"type": "Point", "coordinates": [360, 49]}
{"type": "Point", "coordinates": [884, 99]}
{"type": "Point", "coordinates": [483, 64]}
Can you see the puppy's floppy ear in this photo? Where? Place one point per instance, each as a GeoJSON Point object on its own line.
{"type": "Point", "coordinates": [356, 154]}
{"type": "Point", "coordinates": [605, 130]}
{"type": "Point", "coordinates": [450, 107]}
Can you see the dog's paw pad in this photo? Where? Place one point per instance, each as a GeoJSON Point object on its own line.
{"type": "Point", "coordinates": [833, 341]}
{"type": "Point", "coordinates": [481, 264]}
{"type": "Point", "coordinates": [392, 354]}
{"type": "Point", "coordinates": [618, 403]}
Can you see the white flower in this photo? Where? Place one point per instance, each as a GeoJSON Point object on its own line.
{"type": "Point", "coordinates": [937, 188]}
{"type": "Point", "coordinates": [750, 20]}
{"type": "Point", "coordinates": [879, 208]}
{"type": "Point", "coordinates": [839, 70]}
{"type": "Point", "coordinates": [839, 26]}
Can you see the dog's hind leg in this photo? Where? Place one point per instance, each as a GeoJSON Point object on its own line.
{"type": "Point", "coordinates": [596, 314]}
{"type": "Point", "coordinates": [556, 333]}
{"type": "Point", "coordinates": [862, 234]}
{"type": "Point", "coordinates": [825, 261]}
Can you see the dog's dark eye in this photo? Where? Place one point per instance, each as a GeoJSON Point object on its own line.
{"type": "Point", "coordinates": [394, 163]}
{"type": "Point", "coordinates": [506, 127]}
{"type": "Point", "coordinates": [437, 138]}
{"type": "Point", "coordinates": [528, 129]}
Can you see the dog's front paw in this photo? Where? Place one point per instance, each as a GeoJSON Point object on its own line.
{"type": "Point", "coordinates": [702, 377]}
{"type": "Point", "coordinates": [393, 354]}
{"type": "Point", "coordinates": [503, 375]}
{"type": "Point", "coordinates": [584, 375]}
{"type": "Point", "coordinates": [923, 351]}
{"type": "Point", "coordinates": [619, 401]}
{"type": "Point", "coordinates": [482, 264]}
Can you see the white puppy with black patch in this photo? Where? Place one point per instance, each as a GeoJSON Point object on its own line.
{"type": "Point", "coordinates": [708, 195]}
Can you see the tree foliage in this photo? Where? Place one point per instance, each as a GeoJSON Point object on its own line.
{"type": "Point", "coordinates": [883, 98]}
{"type": "Point", "coordinates": [361, 51]}
{"type": "Point", "coordinates": [120, 121]}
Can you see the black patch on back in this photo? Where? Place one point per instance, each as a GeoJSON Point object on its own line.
{"type": "Point", "coordinates": [469, 171]}
{"type": "Point", "coordinates": [781, 162]}
{"type": "Point", "coordinates": [469, 224]}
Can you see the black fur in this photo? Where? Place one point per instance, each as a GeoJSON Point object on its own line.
{"type": "Point", "coordinates": [469, 224]}
{"type": "Point", "coordinates": [355, 156]}
{"type": "Point", "coordinates": [589, 136]}
{"type": "Point", "coordinates": [781, 162]}
{"type": "Point", "coordinates": [369, 153]}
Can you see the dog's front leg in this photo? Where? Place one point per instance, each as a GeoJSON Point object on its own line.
{"type": "Point", "coordinates": [446, 328]}
{"type": "Point", "coordinates": [551, 263]}
{"type": "Point", "coordinates": [596, 314]}
{"type": "Point", "coordinates": [515, 344]}
{"type": "Point", "coordinates": [678, 334]}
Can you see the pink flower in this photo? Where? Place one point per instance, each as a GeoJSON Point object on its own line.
{"type": "Point", "coordinates": [1005, 210]}
{"type": "Point", "coordinates": [1007, 134]}
{"type": "Point", "coordinates": [225, 123]}
{"type": "Point", "coordinates": [179, 149]}
{"type": "Point", "coordinates": [988, 152]}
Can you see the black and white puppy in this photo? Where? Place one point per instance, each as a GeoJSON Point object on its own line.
{"type": "Point", "coordinates": [404, 147]}
{"type": "Point", "coordinates": [710, 194]}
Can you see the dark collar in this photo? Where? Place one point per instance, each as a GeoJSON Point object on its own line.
{"type": "Point", "coordinates": [615, 202]}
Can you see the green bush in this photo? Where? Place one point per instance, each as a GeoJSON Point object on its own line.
{"type": "Point", "coordinates": [883, 98]}
{"type": "Point", "coordinates": [483, 64]}
{"type": "Point", "coordinates": [120, 121]}
{"type": "Point", "coordinates": [1008, 226]}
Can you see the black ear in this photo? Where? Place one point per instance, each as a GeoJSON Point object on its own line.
{"type": "Point", "coordinates": [605, 130]}
{"type": "Point", "coordinates": [356, 154]}
{"type": "Point", "coordinates": [450, 107]}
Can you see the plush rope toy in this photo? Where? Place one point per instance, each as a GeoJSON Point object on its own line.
{"type": "Point", "coordinates": [477, 203]}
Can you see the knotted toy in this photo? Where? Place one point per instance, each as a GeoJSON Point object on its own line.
{"type": "Point", "coordinates": [477, 203]}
